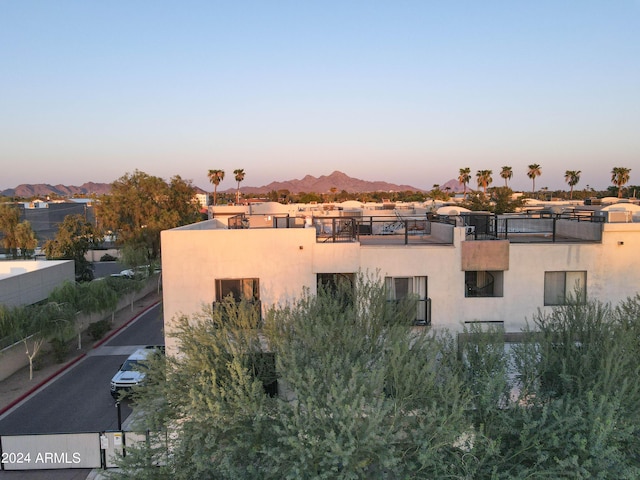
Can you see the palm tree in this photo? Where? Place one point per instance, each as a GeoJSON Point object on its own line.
{"type": "Point", "coordinates": [215, 177]}
{"type": "Point", "coordinates": [464, 178]}
{"type": "Point", "coordinates": [620, 176]}
{"type": "Point", "coordinates": [484, 179]}
{"type": "Point", "coordinates": [507, 174]}
{"type": "Point", "coordinates": [534, 171]}
{"type": "Point", "coordinates": [572, 177]}
{"type": "Point", "coordinates": [239, 173]}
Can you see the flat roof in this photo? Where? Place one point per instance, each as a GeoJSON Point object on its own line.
{"type": "Point", "coordinates": [14, 268]}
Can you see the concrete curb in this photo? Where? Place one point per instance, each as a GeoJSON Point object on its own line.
{"type": "Point", "coordinates": [74, 361]}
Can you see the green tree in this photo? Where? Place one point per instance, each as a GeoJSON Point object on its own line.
{"type": "Point", "coordinates": [135, 257]}
{"type": "Point", "coordinates": [572, 177]}
{"type": "Point", "coordinates": [9, 220]}
{"type": "Point", "coordinates": [477, 202]}
{"type": "Point", "coordinates": [437, 194]}
{"type": "Point", "coordinates": [373, 399]}
{"type": "Point", "coordinates": [577, 407]}
{"type": "Point", "coordinates": [84, 299]}
{"type": "Point", "coordinates": [239, 176]}
{"type": "Point", "coordinates": [25, 239]}
{"type": "Point", "coordinates": [464, 178]}
{"type": "Point", "coordinates": [74, 238]}
{"type": "Point", "coordinates": [484, 179]}
{"type": "Point", "coordinates": [34, 325]}
{"type": "Point", "coordinates": [502, 201]}
{"type": "Point", "coordinates": [140, 206]}
{"type": "Point", "coordinates": [534, 171]}
{"type": "Point", "coordinates": [619, 177]}
{"type": "Point", "coordinates": [507, 174]}
{"type": "Point", "coordinates": [309, 197]}
{"type": "Point", "coordinates": [499, 201]}
{"type": "Point", "coordinates": [215, 177]}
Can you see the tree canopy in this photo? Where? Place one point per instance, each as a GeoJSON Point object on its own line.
{"type": "Point", "coordinates": [363, 394]}
{"type": "Point", "coordinates": [19, 239]}
{"type": "Point", "coordinates": [72, 241]}
{"type": "Point", "coordinates": [140, 206]}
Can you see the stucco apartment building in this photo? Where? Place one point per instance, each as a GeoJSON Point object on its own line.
{"type": "Point", "coordinates": [465, 267]}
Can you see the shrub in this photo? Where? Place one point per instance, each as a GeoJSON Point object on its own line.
{"type": "Point", "coordinates": [60, 349]}
{"type": "Point", "coordinates": [97, 329]}
{"type": "Point", "coordinates": [108, 258]}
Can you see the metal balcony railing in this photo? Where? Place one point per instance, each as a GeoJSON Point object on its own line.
{"type": "Point", "coordinates": [423, 311]}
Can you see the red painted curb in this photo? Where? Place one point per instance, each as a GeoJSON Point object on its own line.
{"type": "Point", "coordinates": [74, 361]}
{"type": "Point", "coordinates": [36, 387]}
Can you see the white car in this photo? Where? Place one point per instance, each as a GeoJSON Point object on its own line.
{"type": "Point", "coordinates": [131, 372]}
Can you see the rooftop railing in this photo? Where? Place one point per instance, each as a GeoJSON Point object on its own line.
{"type": "Point", "coordinates": [534, 228]}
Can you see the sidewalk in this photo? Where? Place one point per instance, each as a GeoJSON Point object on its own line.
{"type": "Point", "coordinates": [18, 386]}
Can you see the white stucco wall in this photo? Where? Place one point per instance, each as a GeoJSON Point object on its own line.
{"type": "Point", "coordinates": [287, 260]}
{"type": "Point", "coordinates": [192, 260]}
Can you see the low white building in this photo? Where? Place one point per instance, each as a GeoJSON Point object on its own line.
{"type": "Point", "coordinates": [25, 282]}
{"type": "Point", "coordinates": [464, 268]}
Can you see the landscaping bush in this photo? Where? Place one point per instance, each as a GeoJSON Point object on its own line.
{"type": "Point", "coordinates": [97, 329]}
{"type": "Point", "coordinates": [108, 258]}
{"type": "Point", "coordinates": [60, 349]}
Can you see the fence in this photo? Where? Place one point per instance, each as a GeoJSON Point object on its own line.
{"type": "Point", "coordinates": [66, 450]}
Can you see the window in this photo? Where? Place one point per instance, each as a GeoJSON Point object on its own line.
{"type": "Point", "coordinates": [399, 288]}
{"type": "Point", "coordinates": [561, 287]}
{"type": "Point", "coordinates": [483, 283]}
{"type": "Point", "coordinates": [239, 288]}
{"type": "Point", "coordinates": [335, 283]}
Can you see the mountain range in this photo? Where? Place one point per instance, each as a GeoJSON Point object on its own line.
{"type": "Point", "coordinates": [325, 183]}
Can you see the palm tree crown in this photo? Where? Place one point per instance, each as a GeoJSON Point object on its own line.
{"type": "Point", "coordinates": [239, 173]}
{"type": "Point", "coordinates": [620, 176]}
{"type": "Point", "coordinates": [215, 177]}
{"type": "Point", "coordinates": [534, 171]}
{"type": "Point", "coordinates": [572, 177]}
{"type": "Point", "coordinates": [484, 179]}
{"type": "Point", "coordinates": [507, 174]}
{"type": "Point", "coordinates": [464, 178]}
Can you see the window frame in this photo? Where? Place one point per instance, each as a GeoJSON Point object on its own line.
{"type": "Point", "coordinates": [244, 284]}
{"type": "Point", "coordinates": [415, 285]}
{"type": "Point", "coordinates": [561, 281]}
{"type": "Point", "coordinates": [497, 285]}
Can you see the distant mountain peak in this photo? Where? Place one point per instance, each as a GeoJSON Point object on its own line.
{"type": "Point", "coordinates": [325, 183]}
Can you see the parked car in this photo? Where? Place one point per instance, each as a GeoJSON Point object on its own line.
{"type": "Point", "coordinates": [131, 372]}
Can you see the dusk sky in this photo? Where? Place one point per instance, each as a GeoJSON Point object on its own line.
{"type": "Point", "coordinates": [407, 92]}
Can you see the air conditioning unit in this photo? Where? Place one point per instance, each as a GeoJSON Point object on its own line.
{"type": "Point", "coordinates": [619, 216]}
{"type": "Point", "coordinates": [469, 229]}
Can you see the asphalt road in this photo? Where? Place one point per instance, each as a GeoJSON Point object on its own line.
{"type": "Point", "coordinates": [79, 400]}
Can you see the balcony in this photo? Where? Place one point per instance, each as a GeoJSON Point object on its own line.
{"type": "Point", "coordinates": [431, 229]}
{"type": "Point", "coordinates": [534, 228]}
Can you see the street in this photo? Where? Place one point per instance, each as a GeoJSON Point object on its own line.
{"type": "Point", "coordinates": [79, 399]}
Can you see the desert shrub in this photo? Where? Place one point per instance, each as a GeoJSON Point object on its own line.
{"type": "Point", "coordinates": [98, 329]}
{"type": "Point", "coordinates": [60, 349]}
